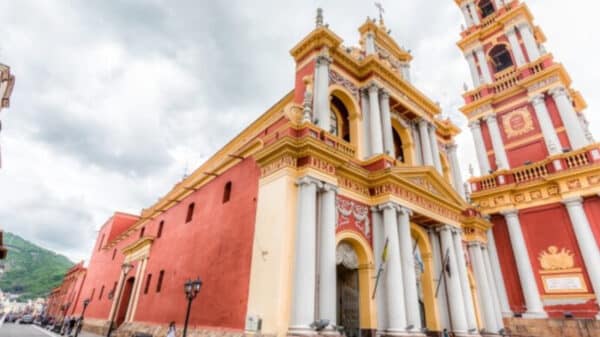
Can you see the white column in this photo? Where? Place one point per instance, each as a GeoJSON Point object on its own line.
{"type": "Point", "coordinates": [413, 312]}
{"type": "Point", "coordinates": [474, 15]}
{"type": "Point", "coordinates": [550, 137]}
{"type": "Point", "coordinates": [585, 239]}
{"type": "Point", "coordinates": [515, 46]}
{"type": "Point", "coordinates": [531, 45]}
{"type": "Point", "coordinates": [327, 260]}
{"type": "Point", "coordinates": [370, 44]}
{"type": "Point", "coordinates": [467, 15]}
{"type": "Point", "coordinates": [435, 150]}
{"type": "Point", "coordinates": [304, 284]}
{"type": "Point", "coordinates": [482, 158]}
{"type": "Point", "coordinates": [414, 127]}
{"type": "Point", "coordinates": [386, 123]}
{"type": "Point", "coordinates": [393, 275]}
{"type": "Point", "coordinates": [438, 278]}
{"type": "Point", "coordinates": [366, 115]}
{"type": "Point", "coordinates": [457, 180]}
{"type": "Point", "coordinates": [483, 288]}
{"type": "Point", "coordinates": [464, 281]}
{"type": "Point", "coordinates": [497, 143]}
{"type": "Point", "coordinates": [569, 118]}
{"type": "Point", "coordinates": [493, 287]}
{"type": "Point", "coordinates": [495, 263]}
{"type": "Point", "coordinates": [321, 108]}
{"type": "Point", "coordinates": [136, 288]}
{"type": "Point", "coordinates": [378, 245]}
{"type": "Point", "coordinates": [425, 142]}
{"type": "Point", "coordinates": [483, 64]}
{"type": "Point", "coordinates": [457, 306]}
{"type": "Point", "coordinates": [375, 121]}
{"type": "Point", "coordinates": [499, 4]}
{"type": "Point", "coordinates": [535, 308]}
{"type": "Point", "coordinates": [473, 68]}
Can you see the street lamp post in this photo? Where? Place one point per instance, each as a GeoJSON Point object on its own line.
{"type": "Point", "coordinates": [125, 269]}
{"type": "Point", "coordinates": [191, 288]}
{"type": "Point", "coordinates": [86, 302]}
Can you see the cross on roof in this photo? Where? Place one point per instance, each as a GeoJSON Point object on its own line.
{"type": "Point", "coordinates": [381, 10]}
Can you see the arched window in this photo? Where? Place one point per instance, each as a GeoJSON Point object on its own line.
{"type": "Point", "coordinates": [501, 57]}
{"type": "Point", "coordinates": [486, 7]}
{"type": "Point", "coordinates": [227, 192]}
{"type": "Point", "coordinates": [160, 228]}
{"type": "Point", "coordinates": [190, 213]}
{"type": "Point", "coordinates": [340, 122]}
{"type": "Point", "coordinates": [398, 148]}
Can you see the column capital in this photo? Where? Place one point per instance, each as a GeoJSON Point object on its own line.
{"type": "Point", "coordinates": [323, 58]}
{"type": "Point", "coordinates": [405, 210]}
{"type": "Point", "coordinates": [523, 25]}
{"type": "Point", "coordinates": [475, 244]}
{"type": "Point", "coordinates": [558, 91]}
{"type": "Point", "coordinates": [451, 147]}
{"type": "Point", "coordinates": [490, 119]}
{"type": "Point", "coordinates": [510, 212]}
{"type": "Point", "coordinates": [373, 87]}
{"type": "Point", "coordinates": [327, 187]}
{"type": "Point", "coordinates": [385, 95]}
{"type": "Point", "coordinates": [389, 205]}
{"type": "Point", "coordinates": [573, 201]}
{"type": "Point", "coordinates": [475, 124]}
{"type": "Point", "coordinates": [444, 228]}
{"type": "Point", "coordinates": [510, 30]}
{"type": "Point", "coordinates": [307, 180]}
{"type": "Point", "coordinates": [457, 230]}
{"type": "Point", "coordinates": [478, 49]}
{"type": "Point", "coordinates": [537, 99]}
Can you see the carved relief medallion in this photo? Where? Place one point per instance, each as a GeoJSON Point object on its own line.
{"type": "Point", "coordinates": [517, 123]}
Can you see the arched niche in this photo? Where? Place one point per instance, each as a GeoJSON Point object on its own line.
{"type": "Point", "coordinates": [405, 135]}
{"type": "Point", "coordinates": [346, 113]}
{"type": "Point", "coordinates": [501, 58]}
{"type": "Point", "coordinates": [419, 234]}
{"type": "Point", "coordinates": [366, 276]}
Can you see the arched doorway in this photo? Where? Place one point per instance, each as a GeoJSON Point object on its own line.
{"type": "Point", "coordinates": [125, 299]}
{"type": "Point", "coordinates": [348, 291]}
{"type": "Point", "coordinates": [424, 272]}
{"type": "Point", "coordinates": [358, 283]}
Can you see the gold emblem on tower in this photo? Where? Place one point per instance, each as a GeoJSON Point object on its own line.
{"type": "Point", "coordinates": [553, 259]}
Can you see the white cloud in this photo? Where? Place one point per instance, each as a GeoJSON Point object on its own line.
{"type": "Point", "coordinates": [113, 100]}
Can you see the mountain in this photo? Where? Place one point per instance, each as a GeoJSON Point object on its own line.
{"type": "Point", "coordinates": [29, 270]}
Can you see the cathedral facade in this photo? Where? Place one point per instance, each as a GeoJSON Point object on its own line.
{"type": "Point", "coordinates": [340, 210]}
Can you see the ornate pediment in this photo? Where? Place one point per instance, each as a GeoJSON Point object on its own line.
{"type": "Point", "coordinates": [428, 180]}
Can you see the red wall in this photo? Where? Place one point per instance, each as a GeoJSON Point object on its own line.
{"type": "Point", "coordinates": [215, 246]}
{"type": "Point", "coordinates": [592, 209]}
{"type": "Point", "coordinates": [546, 226]}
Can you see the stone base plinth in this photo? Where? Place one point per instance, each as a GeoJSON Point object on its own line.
{"type": "Point", "coordinates": [552, 327]}
{"type": "Point", "coordinates": [100, 327]}
{"type": "Point", "coordinates": [95, 326]}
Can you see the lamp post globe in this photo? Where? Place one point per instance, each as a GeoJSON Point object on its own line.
{"type": "Point", "coordinates": [191, 289]}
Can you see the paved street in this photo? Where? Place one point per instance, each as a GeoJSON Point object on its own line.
{"type": "Point", "coordinates": [18, 330]}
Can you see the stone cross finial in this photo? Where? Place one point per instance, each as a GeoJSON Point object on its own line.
{"type": "Point", "coordinates": [319, 17]}
{"type": "Point", "coordinates": [381, 11]}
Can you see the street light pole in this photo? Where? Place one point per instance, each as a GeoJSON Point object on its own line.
{"type": "Point", "coordinates": [86, 302]}
{"type": "Point", "coordinates": [191, 288]}
{"type": "Point", "coordinates": [125, 268]}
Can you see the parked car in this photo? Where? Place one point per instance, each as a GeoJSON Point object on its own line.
{"type": "Point", "coordinates": [11, 318]}
{"type": "Point", "coordinates": [27, 319]}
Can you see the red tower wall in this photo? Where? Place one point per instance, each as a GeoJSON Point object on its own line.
{"type": "Point", "coordinates": [592, 209]}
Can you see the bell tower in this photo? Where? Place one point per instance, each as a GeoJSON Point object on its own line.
{"type": "Point", "coordinates": [539, 180]}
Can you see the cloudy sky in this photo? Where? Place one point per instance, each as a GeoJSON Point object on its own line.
{"type": "Point", "coordinates": [115, 99]}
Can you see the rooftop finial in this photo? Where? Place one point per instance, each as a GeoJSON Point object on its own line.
{"type": "Point", "coordinates": [381, 11]}
{"type": "Point", "coordinates": [319, 17]}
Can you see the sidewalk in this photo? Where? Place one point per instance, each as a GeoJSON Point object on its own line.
{"type": "Point", "coordinates": [81, 334]}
